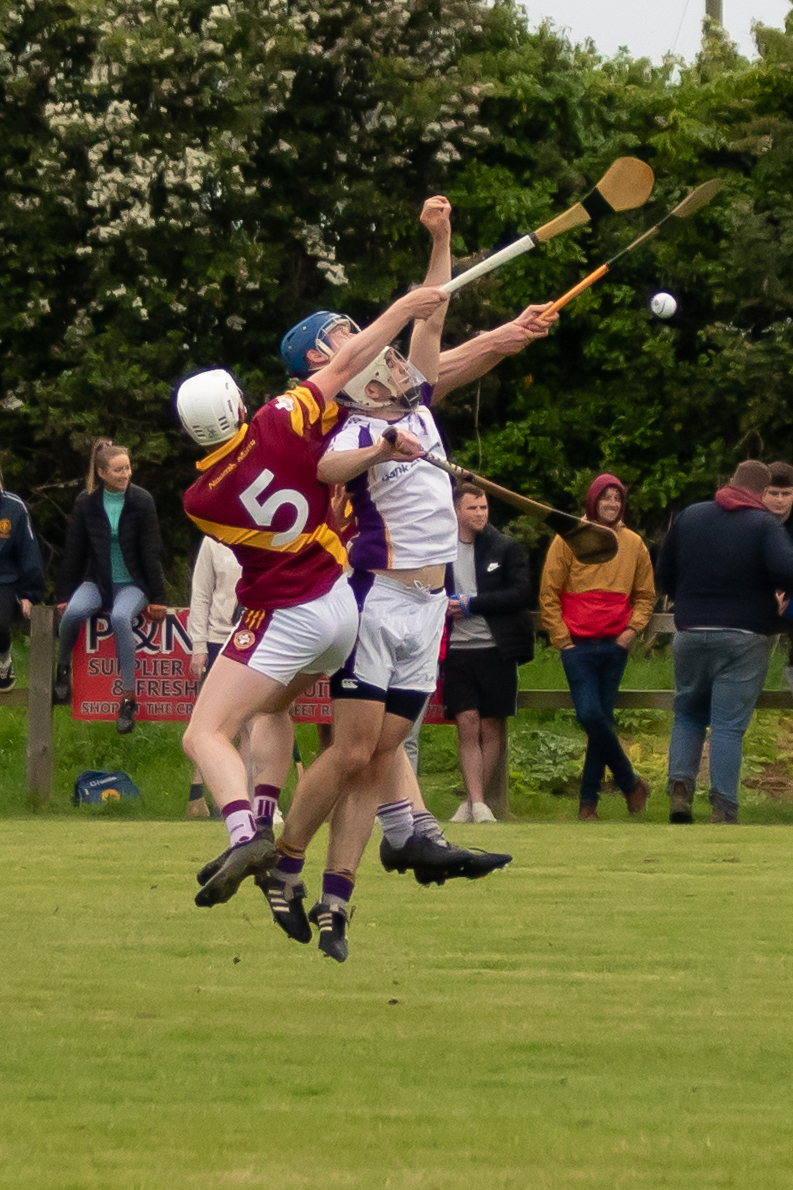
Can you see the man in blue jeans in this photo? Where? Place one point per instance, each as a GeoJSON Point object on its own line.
{"type": "Point", "coordinates": [721, 563]}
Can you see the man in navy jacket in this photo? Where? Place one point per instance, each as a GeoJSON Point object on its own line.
{"type": "Point", "coordinates": [721, 563]}
{"type": "Point", "coordinates": [21, 575]}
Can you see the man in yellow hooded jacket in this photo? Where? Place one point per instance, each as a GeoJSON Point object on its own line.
{"type": "Point", "coordinates": [592, 614]}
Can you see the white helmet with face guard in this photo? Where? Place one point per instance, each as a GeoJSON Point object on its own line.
{"type": "Point", "coordinates": [390, 381]}
{"type": "Point", "coordinates": [210, 406]}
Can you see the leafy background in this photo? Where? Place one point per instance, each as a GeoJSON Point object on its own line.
{"type": "Point", "coordinates": [184, 180]}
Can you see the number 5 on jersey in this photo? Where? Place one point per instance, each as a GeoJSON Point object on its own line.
{"type": "Point", "coordinates": [264, 514]}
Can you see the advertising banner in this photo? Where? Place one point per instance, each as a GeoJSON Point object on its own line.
{"type": "Point", "coordinates": [165, 689]}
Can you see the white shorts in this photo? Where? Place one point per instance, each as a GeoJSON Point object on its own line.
{"type": "Point", "coordinates": [311, 638]}
{"type": "Point", "coordinates": [399, 637]}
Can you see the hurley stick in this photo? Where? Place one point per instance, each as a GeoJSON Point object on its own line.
{"type": "Point", "coordinates": [695, 201]}
{"type": "Point", "coordinates": [625, 184]}
{"type": "Point", "coordinates": [589, 542]}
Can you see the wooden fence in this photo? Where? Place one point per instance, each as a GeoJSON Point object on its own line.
{"type": "Point", "coordinates": [38, 699]}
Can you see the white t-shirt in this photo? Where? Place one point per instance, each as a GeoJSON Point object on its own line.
{"type": "Point", "coordinates": [404, 512]}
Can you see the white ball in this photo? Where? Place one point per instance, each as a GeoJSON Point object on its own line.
{"type": "Point", "coordinates": [664, 305]}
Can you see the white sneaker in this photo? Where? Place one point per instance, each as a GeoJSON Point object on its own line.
{"type": "Point", "coordinates": [482, 813]}
{"type": "Point", "coordinates": [278, 818]}
{"type": "Point", "coordinates": [463, 814]}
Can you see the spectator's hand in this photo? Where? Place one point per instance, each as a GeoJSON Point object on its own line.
{"type": "Point", "coordinates": [198, 664]}
{"type": "Point", "coordinates": [458, 607]}
{"type": "Point", "coordinates": [626, 638]}
{"type": "Point", "coordinates": [454, 610]}
{"type": "Point", "coordinates": [27, 608]}
{"type": "Point", "coordinates": [61, 607]}
{"type": "Point", "coordinates": [435, 216]}
{"type": "Point", "coordinates": [564, 648]}
{"type": "Point", "coordinates": [782, 602]}
{"type": "Point", "coordinates": [156, 612]}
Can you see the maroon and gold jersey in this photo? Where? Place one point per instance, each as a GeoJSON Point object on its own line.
{"type": "Point", "coordinates": [259, 494]}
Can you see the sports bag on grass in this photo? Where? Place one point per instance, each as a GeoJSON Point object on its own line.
{"type": "Point", "coordinates": [94, 788]}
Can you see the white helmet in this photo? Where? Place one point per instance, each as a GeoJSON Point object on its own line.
{"type": "Point", "coordinates": [389, 381]}
{"type": "Point", "coordinates": [210, 406]}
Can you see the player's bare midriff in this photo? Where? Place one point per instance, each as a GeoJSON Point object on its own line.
{"type": "Point", "coordinates": [427, 576]}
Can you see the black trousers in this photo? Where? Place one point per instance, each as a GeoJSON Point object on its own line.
{"type": "Point", "coordinates": [9, 610]}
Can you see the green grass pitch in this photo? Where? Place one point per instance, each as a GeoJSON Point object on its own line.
{"type": "Point", "coordinates": [614, 1010]}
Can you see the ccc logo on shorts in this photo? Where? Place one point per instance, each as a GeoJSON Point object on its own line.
{"type": "Point", "coordinates": [243, 639]}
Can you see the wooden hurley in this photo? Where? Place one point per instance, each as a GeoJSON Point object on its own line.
{"type": "Point", "coordinates": [589, 542]}
{"type": "Point", "coordinates": [626, 184]}
{"type": "Point", "coordinates": [692, 202]}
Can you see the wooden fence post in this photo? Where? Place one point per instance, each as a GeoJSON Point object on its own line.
{"type": "Point", "coordinates": [39, 750]}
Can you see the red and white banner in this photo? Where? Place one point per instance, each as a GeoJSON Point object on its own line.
{"type": "Point", "coordinates": [165, 689]}
{"type": "Point", "coordinates": [164, 686]}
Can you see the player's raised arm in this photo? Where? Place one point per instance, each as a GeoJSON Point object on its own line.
{"type": "Point", "coordinates": [359, 350]}
{"type": "Point", "coordinates": [473, 359]}
{"type": "Point", "coordinates": [425, 342]}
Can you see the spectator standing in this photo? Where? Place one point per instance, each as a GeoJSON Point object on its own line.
{"type": "Point", "coordinates": [213, 614]}
{"type": "Point", "coordinates": [21, 575]}
{"type": "Point", "coordinates": [592, 614]}
{"type": "Point", "coordinates": [111, 561]}
{"type": "Point", "coordinates": [722, 563]}
{"type": "Point", "coordinates": [491, 634]}
{"type": "Point", "coordinates": [778, 499]}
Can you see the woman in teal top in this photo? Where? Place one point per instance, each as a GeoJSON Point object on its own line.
{"type": "Point", "coordinates": [111, 561]}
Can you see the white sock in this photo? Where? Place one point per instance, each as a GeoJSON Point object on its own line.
{"type": "Point", "coordinates": [240, 823]}
{"type": "Point", "coordinates": [396, 819]}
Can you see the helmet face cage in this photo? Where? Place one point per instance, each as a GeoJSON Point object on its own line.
{"type": "Point", "coordinates": [390, 382]}
{"type": "Point", "coordinates": [210, 406]}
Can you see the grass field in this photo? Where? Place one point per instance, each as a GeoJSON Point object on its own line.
{"type": "Point", "coordinates": [614, 1010]}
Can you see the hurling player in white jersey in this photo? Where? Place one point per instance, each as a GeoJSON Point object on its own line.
{"type": "Point", "coordinates": [406, 533]}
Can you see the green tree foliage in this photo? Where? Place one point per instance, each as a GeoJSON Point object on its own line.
{"type": "Point", "coordinates": [183, 180]}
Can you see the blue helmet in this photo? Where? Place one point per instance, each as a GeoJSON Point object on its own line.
{"type": "Point", "coordinates": [310, 333]}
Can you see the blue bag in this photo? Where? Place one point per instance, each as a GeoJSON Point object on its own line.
{"type": "Point", "coordinates": [94, 788]}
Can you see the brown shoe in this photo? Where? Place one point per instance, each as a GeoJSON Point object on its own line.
{"type": "Point", "coordinates": [724, 811]}
{"type": "Point", "coordinates": [588, 812]}
{"type": "Point", "coordinates": [637, 798]}
{"type": "Point", "coordinates": [197, 808]}
{"type": "Point", "coordinates": [681, 801]}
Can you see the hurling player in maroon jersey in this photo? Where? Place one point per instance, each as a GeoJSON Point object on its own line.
{"type": "Point", "coordinates": [258, 493]}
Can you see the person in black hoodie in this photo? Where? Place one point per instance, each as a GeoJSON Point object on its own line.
{"type": "Point", "coordinates": [111, 561]}
{"type": "Point", "coordinates": [491, 634]}
{"type": "Point", "coordinates": [21, 575]}
{"type": "Point", "coordinates": [722, 563]}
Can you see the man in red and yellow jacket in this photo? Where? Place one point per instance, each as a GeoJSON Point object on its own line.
{"type": "Point", "coordinates": [592, 614]}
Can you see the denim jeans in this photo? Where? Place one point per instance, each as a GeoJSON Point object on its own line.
{"type": "Point", "coordinates": [719, 674]}
{"type": "Point", "coordinates": [594, 669]}
{"type": "Point", "coordinates": [128, 600]}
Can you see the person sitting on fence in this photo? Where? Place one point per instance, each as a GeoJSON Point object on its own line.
{"type": "Point", "coordinates": [111, 561]}
{"type": "Point", "coordinates": [21, 575]}
{"type": "Point", "coordinates": [592, 614]}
